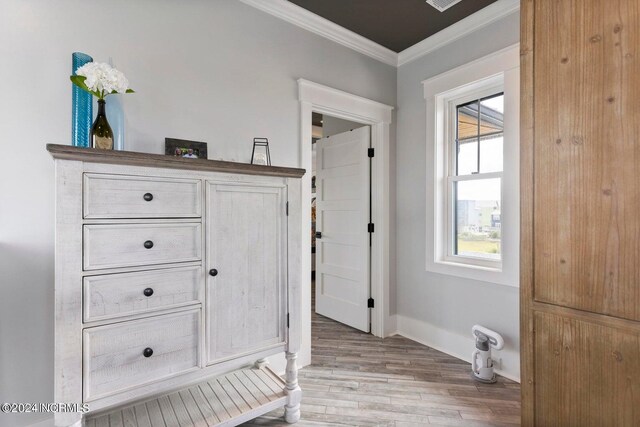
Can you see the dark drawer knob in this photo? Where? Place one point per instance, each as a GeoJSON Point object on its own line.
{"type": "Point", "coordinates": [213, 272]}
{"type": "Point", "coordinates": [148, 352]}
{"type": "Point", "coordinates": [148, 244]}
{"type": "Point", "coordinates": [148, 197]}
{"type": "Point", "coordinates": [318, 235]}
{"type": "Point", "coordinates": [148, 292]}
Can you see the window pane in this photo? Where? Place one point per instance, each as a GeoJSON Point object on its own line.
{"type": "Point", "coordinates": [491, 154]}
{"type": "Point", "coordinates": [467, 138]}
{"type": "Point", "coordinates": [491, 115]}
{"type": "Point", "coordinates": [467, 121]}
{"type": "Point", "coordinates": [477, 218]}
{"type": "Point", "coordinates": [467, 157]}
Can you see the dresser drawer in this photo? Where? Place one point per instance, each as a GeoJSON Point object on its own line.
{"type": "Point", "coordinates": [116, 295]}
{"type": "Point", "coordinates": [129, 354]}
{"type": "Point", "coordinates": [122, 196]}
{"type": "Point", "coordinates": [127, 245]}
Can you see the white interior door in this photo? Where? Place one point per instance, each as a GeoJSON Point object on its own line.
{"type": "Point", "coordinates": [342, 218]}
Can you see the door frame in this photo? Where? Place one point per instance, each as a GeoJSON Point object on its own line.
{"type": "Point", "coordinates": [314, 97]}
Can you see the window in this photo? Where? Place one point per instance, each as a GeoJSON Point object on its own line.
{"type": "Point", "coordinates": [473, 151]}
{"type": "Point", "coordinates": [475, 179]}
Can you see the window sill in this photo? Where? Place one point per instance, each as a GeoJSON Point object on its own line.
{"type": "Point", "coordinates": [470, 265]}
{"type": "Point", "coordinates": [496, 276]}
{"type": "Point", "coordinates": [472, 262]}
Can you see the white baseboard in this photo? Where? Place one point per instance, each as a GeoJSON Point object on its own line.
{"type": "Point", "coordinates": [455, 345]}
{"type": "Point", "coordinates": [391, 327]}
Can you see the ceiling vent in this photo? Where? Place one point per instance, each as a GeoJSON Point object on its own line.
{"type": "Point", "coordinates": [443, 5]}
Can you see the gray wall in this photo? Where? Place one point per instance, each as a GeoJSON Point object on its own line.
{"type": "Point", "coordinates": [448, 303]}
{"type": "Point", "coordinates": [217, 71]}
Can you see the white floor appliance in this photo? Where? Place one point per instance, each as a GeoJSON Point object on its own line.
{"type": "Point", "coordinates": [481, 361]}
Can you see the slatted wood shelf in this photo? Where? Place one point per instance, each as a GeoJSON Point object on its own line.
{"type": "Point", "coordinates": [227, 400]}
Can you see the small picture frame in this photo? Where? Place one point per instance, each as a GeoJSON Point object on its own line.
{"type": "Point", "coordinates": [185, 149]}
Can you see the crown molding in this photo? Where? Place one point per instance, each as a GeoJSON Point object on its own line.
{"type": "Point", "coordinates": [471, 23]}
{"type": "Point", "coordinates": [301, 17]}
{"type": "Point", "coordinates": [309, 21]}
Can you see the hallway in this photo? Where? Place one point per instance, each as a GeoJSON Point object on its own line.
{"type": "Point", "coordinates": [358, 379]}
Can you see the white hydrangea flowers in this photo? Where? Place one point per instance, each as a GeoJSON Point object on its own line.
{"type": "Point", "coordinates": [101, 79]}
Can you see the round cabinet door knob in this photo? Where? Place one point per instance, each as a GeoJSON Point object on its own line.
{"type": "Point", "coordinates": [148, 244]}
{"type": "Point", "coordinates": [213, 272]}
{"type": "Point", "coordinates": [148, 352]}
{"type": "Point", "coordinates": [148, 197]}
{"type": "Point", "coordinates": [148, 292]}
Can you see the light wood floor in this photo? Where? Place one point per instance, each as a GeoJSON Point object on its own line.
{"type": "Point", "coordinates": [358, 379]}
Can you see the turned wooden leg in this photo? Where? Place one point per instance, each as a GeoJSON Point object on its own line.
{"type": "Point", "coordinates": [292, 390]}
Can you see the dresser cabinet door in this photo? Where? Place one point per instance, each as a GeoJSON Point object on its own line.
{"type": "Point", "coordinates": [246, 280]}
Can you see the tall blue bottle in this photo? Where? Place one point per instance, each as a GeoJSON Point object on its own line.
{"type": "Point", "coordinates": [82, 106]}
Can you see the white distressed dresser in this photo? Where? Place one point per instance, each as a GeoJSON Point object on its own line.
{"type": "Point", "coordinates": [175, 279]}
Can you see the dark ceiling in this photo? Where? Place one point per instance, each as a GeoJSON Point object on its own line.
{"type": "Point", "coordinates": [395, 24]}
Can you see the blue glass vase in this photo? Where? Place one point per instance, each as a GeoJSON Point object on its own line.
{"type": "Point", "coordinates": [82, 106]}
{"type": "Point", "coordinates": [115, 113]}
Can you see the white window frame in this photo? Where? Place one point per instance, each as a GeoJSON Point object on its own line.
{"type": "Point", "coordinates": [495, 73]}
{"type": "Point", "coordinates": [480, 90]}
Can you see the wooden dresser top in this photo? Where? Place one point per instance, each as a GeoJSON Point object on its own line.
{"type": "Point", "coordinates": [67, 152]}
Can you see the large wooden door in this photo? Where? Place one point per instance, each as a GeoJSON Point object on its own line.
{"type": "Point", "coordinates": [580, 251]}
{"type": "Point", "coordinates": [246, 252]}
{"type": "Point", "coordinates": [342, 217]}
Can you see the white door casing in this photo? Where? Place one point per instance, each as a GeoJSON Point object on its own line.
{"type": "Point", "coordinates": [342, 216]}
{"type": "Point", "coordinates": [322, 99]}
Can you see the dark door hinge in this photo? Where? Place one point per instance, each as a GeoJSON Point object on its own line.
{"type": "Point", "coordinates": [370, 303]}
{"type": "Point", "coordinates": [370, 152]}
{"type": "Point", "coordinates": [287, 320]}
{"type": "Point", "coordinates": [370, 227]}
{"type": "Point", "coordinates": [287, 208]}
